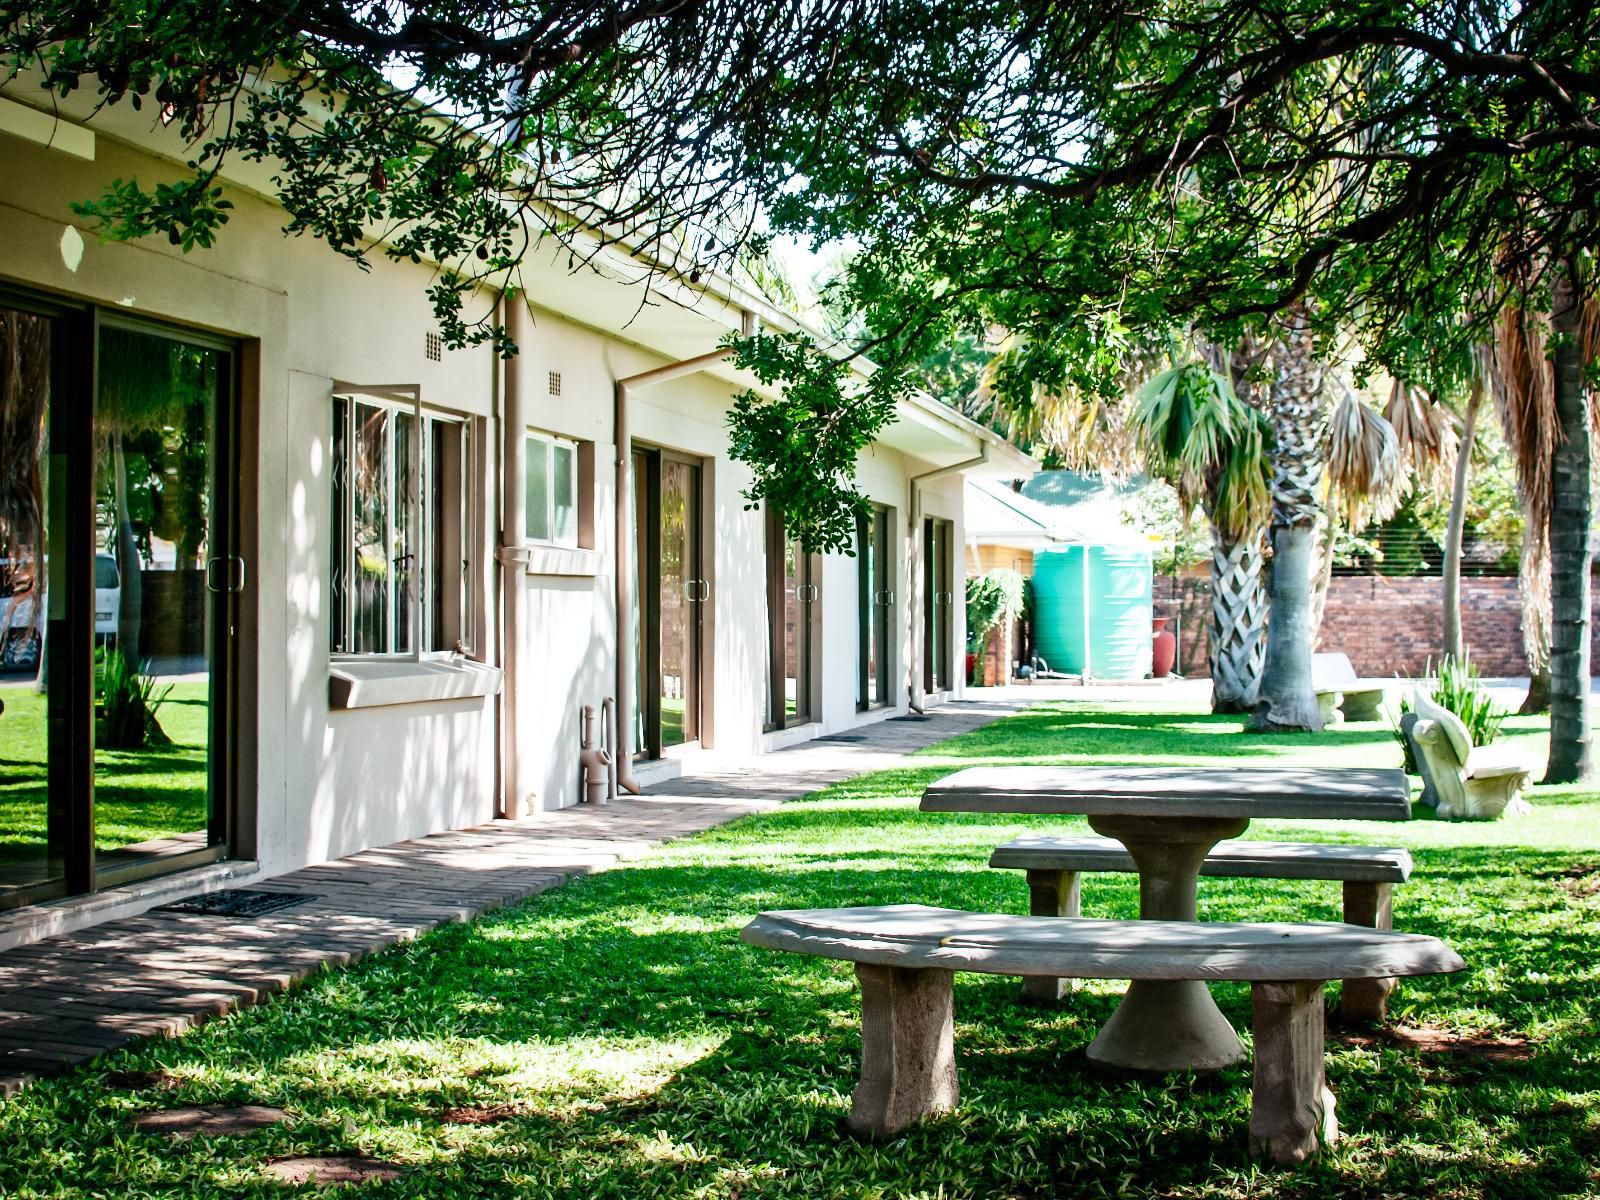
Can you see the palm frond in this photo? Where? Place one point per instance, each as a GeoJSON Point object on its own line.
{"type": "Point", "coordinates": [1523, 385]}
{"type": "Point", "coordinates": [1427, 436]}
{"type": "Point", "coordinates": [1209, 444]}
{"type": "Point", "coordinates": [1366, 473]}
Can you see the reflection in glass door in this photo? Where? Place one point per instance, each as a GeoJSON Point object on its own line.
{"type": "Point", "coordinates": [34, 810]}
{"type": "Point", "coordinates": [165, 573]}
{"type": "Point", "coordinates": [670, 601]}
{"type": "Point", "coordinates": [791, 596]}
{"type": "Point", "coordinates": [120, 585]}
{"type": "Point", "coordinates": [875, 605]}
{"type": "Point", "coordinates": [938, 597]}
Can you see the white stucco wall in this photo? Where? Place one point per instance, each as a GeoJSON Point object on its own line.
{"type": "Point", "coordinates": [326, 783]}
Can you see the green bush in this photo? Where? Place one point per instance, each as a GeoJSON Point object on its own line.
{"type": "Point", "coordinates": [128, 703]}
{"type": "Point", "coordinates": [988, 598]}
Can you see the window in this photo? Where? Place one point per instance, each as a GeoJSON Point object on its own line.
{"type": "Point", "coordinates": [402, 569]}
{"type": "Point", "coordinates": [552, 490]}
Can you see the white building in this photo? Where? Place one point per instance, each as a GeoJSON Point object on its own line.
{"type": "Point", "coordinates": [382, 577]}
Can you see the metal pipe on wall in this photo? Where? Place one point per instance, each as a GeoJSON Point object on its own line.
{"type": "Point", "coordinates": [512, 553]}
{"type": "Point", "coordinates": [915, 694]}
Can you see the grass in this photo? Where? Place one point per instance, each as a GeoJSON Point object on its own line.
{"type": "Point", "coordinates": [643, 1051]}
{"type": "Point", "coordinates": [139, 794]}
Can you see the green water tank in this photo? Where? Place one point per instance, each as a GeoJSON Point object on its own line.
{"type": "Point", "coordinates": [1109, 602]}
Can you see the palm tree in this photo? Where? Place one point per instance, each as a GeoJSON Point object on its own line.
{"type": "Point", "coordinates": [1547, 415]}
{"type": "Point", "coordinates": [1200, 436]}
{"type": "Point", "coordinates": [1298, 409]}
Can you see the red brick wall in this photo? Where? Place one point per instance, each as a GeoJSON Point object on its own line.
{"type": "Point", "coordinates": [1386, 625]}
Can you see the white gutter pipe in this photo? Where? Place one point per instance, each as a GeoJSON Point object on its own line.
{"type": "Point", "coordinates": [622, 392]}
{"type": "Point", "coordinates": [914, 691]}
{"type": "Point", "coordinates": [512, 553]}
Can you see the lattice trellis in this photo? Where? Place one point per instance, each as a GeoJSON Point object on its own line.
{"type": "Point", "coordinates": [1238, 623]}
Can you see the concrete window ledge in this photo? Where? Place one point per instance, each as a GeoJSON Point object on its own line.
{"type": "Point", "coordinates": [372, 684]}
{"type": "Point", "coordinates": [564, 560]}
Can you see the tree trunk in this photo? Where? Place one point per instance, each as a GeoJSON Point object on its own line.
{"type": "Point", "coordinates": [130, 609]}
{"type": "Point", "coordinates": [1299, 416]}
{"type": "Point", "coordinates": [1570, 757]}
{"type": "Point", "coordinates": [1538, 697]}
{"type": "Point", "coordinates": [1238, 615]}
{"type": "Point", "coordinates": [1322, 577]}
{"type": "Point", "coordinates": [1453, 645]}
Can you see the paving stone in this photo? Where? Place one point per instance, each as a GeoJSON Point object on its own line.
{"type": "Point", "coordinates": [209, 1120]}
{"type": "Point", "coordinates": [67, 998]}
{"type": "Point", "coordinates": [327, 1170]}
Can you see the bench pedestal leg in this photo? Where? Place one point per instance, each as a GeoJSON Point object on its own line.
{"type": "Point", "coordinates": [1372, 905]}
{"type": "Point", "coordinates": [1052, 894]}
{"type": "Point", "coordinates": [1291, 1108]}
{"type": "Point", "coordinates": [908, 1062]}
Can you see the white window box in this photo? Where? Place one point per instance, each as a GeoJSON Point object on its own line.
{"type": "Point", "coordinates": [353, 684]}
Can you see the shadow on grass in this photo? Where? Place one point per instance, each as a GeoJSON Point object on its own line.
{"type": "Point", "coordinates": [650, 1053]}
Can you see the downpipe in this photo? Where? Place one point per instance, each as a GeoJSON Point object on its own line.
{"type": "Point", "coordinates": [594, 761]}
{"type": "Point", "coordinates": [914, 694]}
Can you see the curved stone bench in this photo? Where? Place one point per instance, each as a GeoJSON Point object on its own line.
{"type": "Point", "coordinates": [906, 956]}
{"type": "Point", "coordinates": [1368, 873]}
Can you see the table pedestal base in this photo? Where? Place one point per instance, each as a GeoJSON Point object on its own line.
{"type": "Point", "coordinates": [1167, 1025]}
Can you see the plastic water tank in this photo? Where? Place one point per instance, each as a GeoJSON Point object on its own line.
{"type": "Point", "coordinates": [1110, 602]}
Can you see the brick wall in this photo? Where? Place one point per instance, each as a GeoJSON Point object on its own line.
{"type": "Point", "coordinates": [1386, 625]}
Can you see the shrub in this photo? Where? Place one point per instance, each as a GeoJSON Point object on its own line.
{"type": "Point", "coordinates": [988, 598]}
{"type": "Point", "coordinates": [128, 703]}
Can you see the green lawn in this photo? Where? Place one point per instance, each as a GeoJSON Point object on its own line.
{"type": "Point", "coordinates": [644, 1052]}
{"type": "Point", "coordinates": [139, 794]}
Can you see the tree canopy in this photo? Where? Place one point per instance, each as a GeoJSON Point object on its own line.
{"type": "Point", "coordinates": [1067, 173]}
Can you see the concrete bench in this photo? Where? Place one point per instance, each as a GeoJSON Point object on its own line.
{"type": "Point", "coordinates": [1342, 694]}
{"type": "Point", "coordinates": [1463, 781]}
{"type": "Point", "coordinates": [906, 956]}
{"type": "Point", "coordinates": [1368, 873]}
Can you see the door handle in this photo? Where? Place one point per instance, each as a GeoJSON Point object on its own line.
{"type": "Point", "coordinates": [807, 593]}
{"type": "Point", "coordinates": [696, 591]}
{"type": "Point", "coordinates": [885, 598]}
{"type": "Point", "coordinates": [236, 573]}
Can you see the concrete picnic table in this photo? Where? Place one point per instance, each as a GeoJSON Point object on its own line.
{"type": "Point", "coordinates": [1168, 819]}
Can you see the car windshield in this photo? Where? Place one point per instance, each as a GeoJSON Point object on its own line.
{"type": "Point", "coordinates": [105, 572]}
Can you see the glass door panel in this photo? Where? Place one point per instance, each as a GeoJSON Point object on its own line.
{"type": "Point", "coordinates": [34, 809]}
{"type": "Point", "coordinates": [791, 594]}
{"type": "Point", "coordinates": [644, 586]}
{"type": "Point", "coordinates": [876, 603]}
{"type": "Point", "coordinates": [163, 571]}
{"type": "Point", "coordinates": [681, 592]}
{"type": "Point", "coordinates": [938, 597]}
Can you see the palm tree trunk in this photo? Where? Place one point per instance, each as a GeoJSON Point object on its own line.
{"type": "Point", "coordinates": [1238, 617]}
{"type": "Point", "coordinates": [1570, 757]}
{"type": "Point", "coordinates": [1298, 412]}
{"type": "Point", "coordinates": [1454, 530]}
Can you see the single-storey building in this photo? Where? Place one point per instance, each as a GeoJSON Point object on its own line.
{"type": "Point", "coordinates": [368, 585]}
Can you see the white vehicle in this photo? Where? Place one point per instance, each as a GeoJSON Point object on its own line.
{"type": "Point", "coordinates": [21, 630]}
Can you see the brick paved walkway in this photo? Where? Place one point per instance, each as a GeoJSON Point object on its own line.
{"type": "Point", "coordinates": [65, 999]}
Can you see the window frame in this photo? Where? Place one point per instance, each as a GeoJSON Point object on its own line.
{"type": "Point", "coordinates": [422, 479]}
{"type": "Point", "coordinates": [552, 442]}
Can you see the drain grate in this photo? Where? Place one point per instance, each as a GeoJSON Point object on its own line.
{"type": "Point", "coordinates": [237, 902]}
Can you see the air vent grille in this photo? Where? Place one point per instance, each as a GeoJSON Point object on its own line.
{"type": "Point", "coordinates": [435, 347]}
{"type": "Point", "coordinates": [555, 383]}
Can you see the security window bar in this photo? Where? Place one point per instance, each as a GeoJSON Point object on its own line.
{"type": "Point", "coordinates": [401, 565]}
{"type": "Point", "coordinates": [552, 489]}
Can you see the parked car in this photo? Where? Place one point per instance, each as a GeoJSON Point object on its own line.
{"type": "Point", "coordinates": [21, 630]}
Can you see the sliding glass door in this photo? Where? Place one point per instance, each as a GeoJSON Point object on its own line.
{"type": "Point", "coordinates": [670, 601]}
{"type": "Point", "coordinates": [875, 608]}
{"type": "Point", "coordinates": [120, 583]}
{"type": "Point", "coordinates": [792, 594]}
{"type": "Point", "coordinates": [938, 597]}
